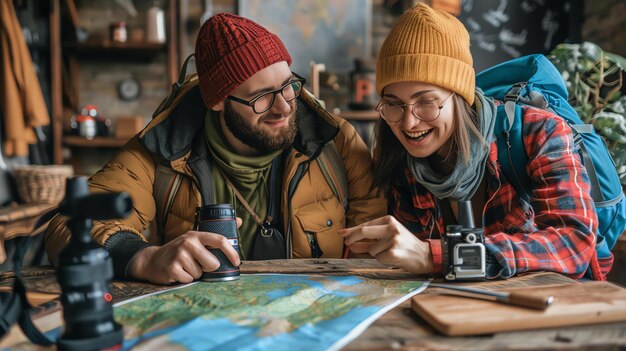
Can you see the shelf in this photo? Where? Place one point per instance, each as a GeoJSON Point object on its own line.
{"type": "Point", "coordinates": [112, 60]}
{"type": "Point", "coordinates": [366, 115]}
{"type": "Point", "coordinates": [112, 50]}
{"type": "Point", "coordinates": [77, 141]}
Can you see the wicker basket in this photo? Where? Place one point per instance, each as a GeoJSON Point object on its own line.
{"type": "Point", "coordinates": [42, 184]}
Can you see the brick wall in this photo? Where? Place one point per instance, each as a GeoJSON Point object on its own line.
{"type": "Point", "coordinates": [99, 76]}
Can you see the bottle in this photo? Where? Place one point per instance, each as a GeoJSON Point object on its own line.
{"type": "Point", "coordinates": [155, 25]}
{"type": "Point", "coordinates": [119, 33]}
{"type": "Point", "coordinates": [87, 127]}
{"type": "Point", "coordinates": [362, 80]}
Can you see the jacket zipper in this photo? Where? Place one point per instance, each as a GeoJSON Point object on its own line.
{"type": "Point", "coordinates": [302, 169]}
{"type": "Point", "coordinates": [316, 251]}
{"type": "Point", "coordinates": [508, 151]}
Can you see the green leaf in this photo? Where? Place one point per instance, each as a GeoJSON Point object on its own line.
{"type": "Point", "coordinates": [617, 59]}
{"type": "Point", "coordinates": [589, 73]}
{"type": "Point", "coordinates": [611, 126]}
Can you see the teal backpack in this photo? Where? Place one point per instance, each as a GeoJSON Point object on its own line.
{"type": "Point", "coordinates": [533, 80]}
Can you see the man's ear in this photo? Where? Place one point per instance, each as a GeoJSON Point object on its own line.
{"type": "Point", "coordinates": [218, 107]}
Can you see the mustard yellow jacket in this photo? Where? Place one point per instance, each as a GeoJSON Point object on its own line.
{"type": "Point", "coordinates": [22, 105]}
{"type": "Point", "coordinates": [176, 135]}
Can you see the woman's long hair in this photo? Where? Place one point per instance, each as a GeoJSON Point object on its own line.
{"type": "Point", "coordinates": [389, 153]}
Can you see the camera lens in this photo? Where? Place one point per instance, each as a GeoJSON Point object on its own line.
{"type": "Point", "coordinates": [220, 219]}
{"type": "Point", "coordinates": [85, 272]}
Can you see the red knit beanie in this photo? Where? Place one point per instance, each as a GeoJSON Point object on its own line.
{"type": "Point", "coordinates": [229, 50]}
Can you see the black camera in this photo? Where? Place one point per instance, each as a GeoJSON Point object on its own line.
{"type": "Point", "coordinates": [219, 219]}
{"type": "Point", "coordinates": [84, 273]}
{"type": "Point", "coordinates": [463, 245]}
{"type": "Point", "coordinates": [86, 269]}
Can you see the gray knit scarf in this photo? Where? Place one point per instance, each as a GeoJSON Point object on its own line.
{"type": "Point", "coordinates": [466, 177]}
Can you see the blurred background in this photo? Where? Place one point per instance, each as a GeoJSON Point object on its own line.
{"type": "Point", "coordinates": [114, 61]}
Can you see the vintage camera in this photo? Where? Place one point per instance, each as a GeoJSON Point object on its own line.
{"type": "Point", "coordinates": [463, 247]}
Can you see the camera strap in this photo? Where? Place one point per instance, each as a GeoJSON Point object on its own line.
{"type": "Point", "coordinates": [19, 308]}
{"type": "Point", "coordinates": [269, 242]}
{"type": "Point", "coordinates": [19, 288]}
{"type": "Point", "coordinates": [245, 203]}
{"type": "Point", "coordinates": [268, 219]}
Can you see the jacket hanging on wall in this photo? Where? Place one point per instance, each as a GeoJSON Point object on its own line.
{"type": "Point", "coordinates": [21, 100]}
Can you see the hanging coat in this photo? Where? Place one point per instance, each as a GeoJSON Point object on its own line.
{"type": "Point", "coordinates": [22, 105]}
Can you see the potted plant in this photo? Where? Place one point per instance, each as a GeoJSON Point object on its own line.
{"type": "Point", "coordinates": [594, 80]}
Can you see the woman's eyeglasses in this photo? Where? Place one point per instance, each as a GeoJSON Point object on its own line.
{"type": "Point", "coordinates": [424, 110]}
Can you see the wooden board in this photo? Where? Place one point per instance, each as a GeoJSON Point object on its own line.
{"type": "Point", "coordinates": [574, 304]}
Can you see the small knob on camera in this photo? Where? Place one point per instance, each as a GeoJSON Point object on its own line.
{"type": "Point", "coordinates": [470, 238]}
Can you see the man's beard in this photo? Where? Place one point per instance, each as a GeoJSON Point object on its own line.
{"type": "Point", "coordinates": [258, 138]}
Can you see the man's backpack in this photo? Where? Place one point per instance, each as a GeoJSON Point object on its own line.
{"type": "Point", "coordinates": [533, 80]}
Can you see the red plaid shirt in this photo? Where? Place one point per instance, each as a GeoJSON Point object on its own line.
{"type": "Point", "coordinates": [555, 232]}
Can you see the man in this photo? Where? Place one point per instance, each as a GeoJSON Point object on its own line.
{"type": "Point", "coordinates": [247, 121]}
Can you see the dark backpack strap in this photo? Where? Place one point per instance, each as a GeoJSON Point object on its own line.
{"type": "Point", "coordinates": [334, 171]}
{"type": "Point", "coordinates": [175, 87]}
{"type": "Point", "coordinates": [511, 153]}
{"type": "Point", "coordinates": [275, 188]}
{"type": "Point", "coordinates": [166, 185]}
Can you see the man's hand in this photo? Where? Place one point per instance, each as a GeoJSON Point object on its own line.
{"type": "Point", "coordinates": [391, 243]}
{"type": "Point", "coordinates": [182, 259]}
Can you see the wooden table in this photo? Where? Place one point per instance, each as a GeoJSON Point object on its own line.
{"type": "Point", "coordinates": [399, 329]}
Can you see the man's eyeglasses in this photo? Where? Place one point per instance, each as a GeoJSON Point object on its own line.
{"type": "Point", "coordinates": [263, 102]}
{"type": "Point", "coordinates": [424, 110]}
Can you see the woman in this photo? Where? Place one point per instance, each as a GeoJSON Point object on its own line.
{"type": "Point", "coordinates": [435, 147]}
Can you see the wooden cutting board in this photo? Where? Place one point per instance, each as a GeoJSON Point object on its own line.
{"type": "Point", "coordinates": [574, 304]}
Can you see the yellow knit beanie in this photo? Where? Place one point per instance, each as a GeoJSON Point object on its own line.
{"type": "Point", "coordinates": [428, 46]}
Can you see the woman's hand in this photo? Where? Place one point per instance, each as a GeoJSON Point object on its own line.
{"type": "Point", "coordinates": [391, 243]}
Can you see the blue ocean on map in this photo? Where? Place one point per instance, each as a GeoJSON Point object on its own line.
{"type": "Point", "coordinates": [346, 281]}
{"type": "Point", "coordinates": [221, 334]}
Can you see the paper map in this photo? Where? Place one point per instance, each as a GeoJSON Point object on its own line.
{"type": "Point", "coordinates": [261, 312]}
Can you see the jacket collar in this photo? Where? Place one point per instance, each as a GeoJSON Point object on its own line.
{"type": "Point", "coordinates": [171, 134]}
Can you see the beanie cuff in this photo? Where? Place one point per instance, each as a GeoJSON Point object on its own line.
{"type": "Point", "coordinates": [443, 71]}
{"type": "Point", "coordinates": [239, 65]}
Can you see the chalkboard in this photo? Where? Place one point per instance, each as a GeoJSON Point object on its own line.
{"type": "Point", "coordinates": [501, 30]}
